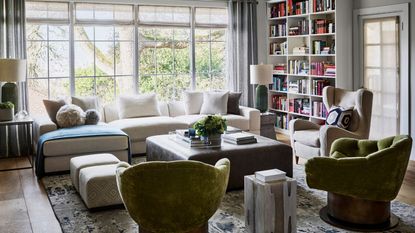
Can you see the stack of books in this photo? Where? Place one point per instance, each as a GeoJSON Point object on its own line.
{"type": "Point", "coordinates": [277, 10]}
{"type": "Point", "coordinates": [239, 138]}
{"type": "Point", "coordinates": [280, 68]}
{"type": "Point", "coordinates": [193, 141]}
{"type": "Point", "coordinates": [272, 175]}
{"type": "Point", "coordinates": [278, 48]}
{"type": "Point", "coordinates": [279, 83]}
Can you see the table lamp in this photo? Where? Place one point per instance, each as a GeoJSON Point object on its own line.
{"type": "Point", "coordinates": [12, 71]}
{"type": "Point", "coordinates": [261, 75]}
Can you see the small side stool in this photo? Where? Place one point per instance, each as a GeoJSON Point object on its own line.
{"type": "Point", "coordinates": [80, 162]}
{"type": "Point", "coordinates": [98, 186]}
{"type": "Point", "coordinates": [268, 120]}
{"type": "Point", "coordinates": [270, 207]}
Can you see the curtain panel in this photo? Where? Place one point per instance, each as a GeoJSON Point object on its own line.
{"type": "Point", "coordinates": [13, 45]}
{"type": "Point", "coordinates": [243, 50]}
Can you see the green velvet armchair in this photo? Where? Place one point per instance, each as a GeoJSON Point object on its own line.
{"type": "Point", "coordinates": [361, 176]}
{"type": "Point", "coordinates": [177, 196]}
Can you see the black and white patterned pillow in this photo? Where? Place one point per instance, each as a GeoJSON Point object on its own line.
{"type": "Point", "coordinates": [340, 117]}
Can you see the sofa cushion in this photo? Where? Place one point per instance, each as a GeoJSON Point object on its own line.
{"type": "Point", "coordinates": [138, 129]}
{"type": "Point", "coordinates": [237, 121]}
{"type": "Point", "coordinates": [215, 102]}
{"type": "Point", "coordinates": [193, 101]}
{"type": "Point", "coordinates": [233, 103]}
{"type": "Point", "coordinates": [189, 120]}
{"type": "Point", "coordinates": [309, 137]}
{"type": "Point", "coordinates": [143, 105]}
{"type": "Point", "coordinates": [84, 145]}
{"type": "Point", "coordinates": [176, 108]}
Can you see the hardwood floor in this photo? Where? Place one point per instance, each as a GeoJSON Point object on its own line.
{"type": "Point", "coordinates": [25, 207]}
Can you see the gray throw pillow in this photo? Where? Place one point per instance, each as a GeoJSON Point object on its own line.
{"type": "Point", "coordinates": [92, 117]}
{"type": "Point", "coordinates": [233, 103]}
{"type": "Point", "coordinates": [52, 107]}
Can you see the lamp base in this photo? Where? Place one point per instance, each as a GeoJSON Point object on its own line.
{"type": "Point", "coordinates": [261, 102]}
{"type": "Point", "coordinates": [9, 92]}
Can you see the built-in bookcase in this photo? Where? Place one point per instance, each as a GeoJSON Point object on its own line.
{"type": "Point", "coordinates": [302, 38]}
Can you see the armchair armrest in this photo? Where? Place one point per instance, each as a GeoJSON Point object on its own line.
{"type": "Point", "coordinates": [299, 124]}
{"type": "Point", "coordinates": [329, 133]}
{"type": "Point", "coordinates": [119, 171]}
{"type": "Point", "coordinates": [42, 125]}
{"type": "Point", "coordinates": [254, 117]}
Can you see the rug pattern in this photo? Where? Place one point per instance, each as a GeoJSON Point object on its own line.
{"type": "Point", "coordinates": [73, 215]}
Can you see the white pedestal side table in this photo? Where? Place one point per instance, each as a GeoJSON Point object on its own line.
{"type": "Point", "coordinates": [270, 207]}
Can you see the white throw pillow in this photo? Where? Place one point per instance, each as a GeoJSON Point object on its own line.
{"type": "Point", "coordinates": [138, 106]}
{"type": "Point", "coordinates": [192, 102]}
{"type": "Point", "coordinates": [215, 103]}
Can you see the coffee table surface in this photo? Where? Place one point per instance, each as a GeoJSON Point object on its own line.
{"type": "Point", "coordinates": [245, 159]}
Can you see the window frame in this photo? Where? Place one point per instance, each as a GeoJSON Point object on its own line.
{"type": "Point", "coordinates": [72, 22]}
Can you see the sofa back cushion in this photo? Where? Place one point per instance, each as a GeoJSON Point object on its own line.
{"type": "Point", "coordinates": [215, 102]}
{"type": "Point", "coordinates": [176, 108]}
{"type": "Point", "coordinates": [111, 111]}
{"type": "Point", "coordinates": [143, 105]}
{"type": "Point", "coordinates": [193, 101]}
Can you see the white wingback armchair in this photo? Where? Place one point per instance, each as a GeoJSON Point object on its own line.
{"type": "Point", "coordinates": [310, 140]}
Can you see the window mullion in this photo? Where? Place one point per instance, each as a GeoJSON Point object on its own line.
{"type": "Point", "coordinates": [71, 49]}
{"type": "Point", "coordinates": [193, 49]}
{"type": "Point", "coordinates": [136, 54]}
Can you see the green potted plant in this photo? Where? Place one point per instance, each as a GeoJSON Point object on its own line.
{"type": "Point", "coordinates": [6, 111]}
{"type": "Point", "coordinates": [210, 129]}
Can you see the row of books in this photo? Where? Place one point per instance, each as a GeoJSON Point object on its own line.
{"type": "Point", "coordinates": [300, 29]}
{"type": "Point", "coordinates": [279, 48]}
{"type": "Point", "coordinates": [319, 110]}
{"type": "Point", "coordinates": [298, 67]}
{"type": "Point", "coordinates": [282, 121]}
{"type": "Point", "coordinates": [295, 7]}
{"type": "Point", "coordinates": [298, 86]}
{"type": "Point", "coordinates": [279, 102]}
{"type": "Point", "coordinates": [278, 30]}
{"type": "Point", "coordinates": [318, 85]}
{"type": "Point", "coordinates": [241, 138]}
{"type": "Point", "coordinates": [322, 47]}
{"type": "Point", "coordinates": [300, 7]}
{"type": "Point", "coordinates": [280, 68]}
{"type": "Point", "coordinates": [322, 5]}
{"type": "Point", "coordinates": [279, 83]}
{"type": "Point", "coordinates": [277, 10]}
{"type": "Point", "coordinates": [322, 26]}
{"type": "Point", "coordinates": [322, 69]}
{"type": "Point", "coordinates": [300, 105]}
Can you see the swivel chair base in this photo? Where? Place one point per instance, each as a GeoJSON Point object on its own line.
{"type": "Point", "coordinates": [357, 214]}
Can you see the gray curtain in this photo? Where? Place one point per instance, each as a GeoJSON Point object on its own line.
{"type": "Point", "coordinates": [243, 50]}
{"type": "Point", "coordinates": [13, 45]}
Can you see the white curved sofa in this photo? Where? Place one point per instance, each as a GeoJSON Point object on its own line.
{"type": "Point", "coordinates": [138, 129]}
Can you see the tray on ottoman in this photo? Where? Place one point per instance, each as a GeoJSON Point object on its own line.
{"type": "Point", "coordinates": [245, 159]}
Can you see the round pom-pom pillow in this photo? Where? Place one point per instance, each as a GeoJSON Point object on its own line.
{"type": "Point", "coordinates": [70, 115]}
{"type": "Point", "coordinates": [92, 117]}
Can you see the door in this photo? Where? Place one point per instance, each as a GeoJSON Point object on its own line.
{"type": "Point", "coordinates": [381, 74]}
{"type": "Point", "coordinates": [381, 66]}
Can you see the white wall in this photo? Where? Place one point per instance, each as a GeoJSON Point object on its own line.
{"type": "Point", "coordinates": [358, 4]}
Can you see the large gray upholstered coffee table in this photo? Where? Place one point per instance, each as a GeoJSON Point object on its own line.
{"type": "Point", "coordinates": [245, 159]}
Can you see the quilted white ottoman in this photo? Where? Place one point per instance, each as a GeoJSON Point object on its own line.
{"type": "Point", "coordinates": [80, 162]}
{"type": "Point", "coordinates": [98, 186]}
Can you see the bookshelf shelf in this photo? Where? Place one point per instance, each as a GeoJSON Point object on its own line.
{"type": "Point", "coordinates": [306, 18]}
{"type": "Point", "coordinates": [323, 12]}
{"type": "Point", "coordinates": [322, 34]}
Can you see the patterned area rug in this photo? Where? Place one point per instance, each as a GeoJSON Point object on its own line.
{"type": "Point", "coordinates": [75, 217]}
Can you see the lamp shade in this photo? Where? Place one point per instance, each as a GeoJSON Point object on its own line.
{"type": "Point", "coordinates": [261, 74]}
{"type": "Point", "coordinates": [12, 70]}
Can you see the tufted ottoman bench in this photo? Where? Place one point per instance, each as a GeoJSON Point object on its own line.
{"type": "Point", "coordinates": [94, 178]}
